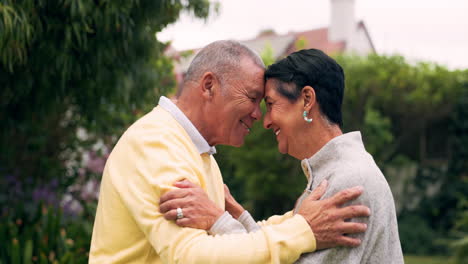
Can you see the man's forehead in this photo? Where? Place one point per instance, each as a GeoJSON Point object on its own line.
{"type": "Point", "coordinates": [252, 76]}
{"type": "Point", "coordinates": [258, 92]}
{"type": "Point", "coordinates": [256, 89]}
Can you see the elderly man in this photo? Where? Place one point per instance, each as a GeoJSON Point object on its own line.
{"type": "Point", "coordinates": [217, 104]}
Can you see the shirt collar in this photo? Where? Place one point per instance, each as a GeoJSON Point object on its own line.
{"type": "Point", "coordinates": [200, 142]}
{"type": "Point", "coordinates": [332, 152]}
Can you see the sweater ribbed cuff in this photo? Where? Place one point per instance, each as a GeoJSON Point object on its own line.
{"type": "Point", "coordinates": [226, 224]}
{"type": "Point", "coordinates": [248, 222]}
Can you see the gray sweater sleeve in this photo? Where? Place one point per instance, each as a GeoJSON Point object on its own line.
{"type": "Point", "coordinates": [226, 224]}
{"type": "Point", "coordinates": [248, 222]}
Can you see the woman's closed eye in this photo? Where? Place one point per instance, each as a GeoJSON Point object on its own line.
{"type": "Point", "coordinates": [268, 105]}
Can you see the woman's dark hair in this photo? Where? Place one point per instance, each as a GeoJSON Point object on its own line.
{"type": "Point", "coordinates": [312, 68]}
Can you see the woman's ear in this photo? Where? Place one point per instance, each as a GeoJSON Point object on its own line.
{"type": "Point", "coordinates": [308, 94]}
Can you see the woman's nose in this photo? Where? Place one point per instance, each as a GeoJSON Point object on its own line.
{"type": "Point", "coordinates": [267, 121]}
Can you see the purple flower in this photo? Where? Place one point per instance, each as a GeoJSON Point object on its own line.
{"type": "Point", "coordinates": [45, 194]}
{"type": "Point", "coordinates": [70, 206]}
{"type": "Point", "coordinates": [96, 163]}
{"type": "Point", "coordinates": [90, 190]}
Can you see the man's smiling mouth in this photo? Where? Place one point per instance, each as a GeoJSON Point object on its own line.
{"type": "Point", "coordinates": [245, 125]}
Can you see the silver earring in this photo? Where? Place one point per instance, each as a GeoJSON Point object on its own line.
{"type": "Point", "coordinates": [308, 120]}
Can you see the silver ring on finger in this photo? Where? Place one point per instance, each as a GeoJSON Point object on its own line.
{"type": "Point", "coordinates": [180, 214]}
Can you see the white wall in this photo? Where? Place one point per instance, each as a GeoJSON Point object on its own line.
{"type": "Point", "coordinates": [342, 24]}
{"type": "Point", "coordinates": [359, 43]}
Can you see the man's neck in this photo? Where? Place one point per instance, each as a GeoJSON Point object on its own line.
{"type": "Point", "coordinates": [194, 112]}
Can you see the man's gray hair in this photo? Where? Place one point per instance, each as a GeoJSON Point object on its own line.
{"type": "Point", "coordinates": [222, 58]}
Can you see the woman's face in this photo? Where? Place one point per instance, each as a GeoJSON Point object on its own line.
{"type": "Point", "coordinates": [284, 118]}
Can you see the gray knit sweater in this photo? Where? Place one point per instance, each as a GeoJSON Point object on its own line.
{"type": "Point", "coordinates": [344, 162]}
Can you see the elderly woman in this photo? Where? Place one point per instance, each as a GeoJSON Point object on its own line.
{"type": "Point", "coordinates": [303, 95]}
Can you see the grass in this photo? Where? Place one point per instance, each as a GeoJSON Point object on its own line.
{"type": "Point", "coordinates": [426, 259]}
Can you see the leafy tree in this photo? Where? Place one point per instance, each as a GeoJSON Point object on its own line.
{"type": "Point", "coordinates": [69, 64]}
{"type": "Point", "coordinates": [71, 73]}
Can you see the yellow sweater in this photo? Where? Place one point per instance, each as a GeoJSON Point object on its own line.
{"type": "Point", "coordinates": [152, 154]}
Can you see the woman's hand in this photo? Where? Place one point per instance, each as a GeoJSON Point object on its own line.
{"type": "Point", "coordinates": [232, 206]}
{"type": "Point", "coordinates": [197, 209]}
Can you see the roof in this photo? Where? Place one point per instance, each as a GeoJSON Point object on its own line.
{"type": "Point", "coordinates": [363, 26]}
{"type": "Point", "coordinates": [318, 39]}
{"type": "Point", "coordinates": [279, 44]}
{"type": "Point", "coordinates": [282, 45]}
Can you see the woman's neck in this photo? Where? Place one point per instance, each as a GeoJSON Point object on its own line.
{"type": "Point", "coordinates": [316, 137]}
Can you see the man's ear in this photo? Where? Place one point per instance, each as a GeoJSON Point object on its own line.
{"type": "Point", "coordinates": [209, 82]}
{"type": "Point", "coordinates": [308, 95]}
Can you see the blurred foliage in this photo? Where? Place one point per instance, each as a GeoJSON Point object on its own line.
{"type": "Point", "coordinates": [73, 75]}
{"type": "Point", "coordinates": [413, 121]}
{"type": "Point", "coordinates": [459, 166]}
{"type": "Point", "coordinates": [35, 229]}
{"type": "Point", "coordinates": [412, 228]}
{"type": "Point", "coordinates": [268, 54]}
{"type": "Point", "coordinates": [46, 238]}
{"type": "Point", "coordinates": [410, 259]}
{"type": "Point", "coordinates": [460, 231]}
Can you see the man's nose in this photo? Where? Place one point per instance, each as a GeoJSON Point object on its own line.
{"type": "Point", "coordinates": [257, 113]}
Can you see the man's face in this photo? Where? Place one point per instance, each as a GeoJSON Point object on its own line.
{"type": "Point", "coordinates": [238, 104]}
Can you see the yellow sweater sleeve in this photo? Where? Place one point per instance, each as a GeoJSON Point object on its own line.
{"type": "Point", "coordinates": [143, 166]}
{"type": "Point", "coordinates": [279, 219]}
{"type": "Point", "coordinates": [276, 219]}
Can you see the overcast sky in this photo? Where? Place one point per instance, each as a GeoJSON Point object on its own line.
{"type": "Point", "coordinates": [429, 30]}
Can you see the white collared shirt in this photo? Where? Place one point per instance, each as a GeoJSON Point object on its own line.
{"type": "Point", "coordinates": [197, 139]}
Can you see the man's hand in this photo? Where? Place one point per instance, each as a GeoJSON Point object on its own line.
{"type": "Point", "coordinates": [327, 217]}
{"type": "Point", "coordinates": [232, 206]}
{"type": "Point", "coordinates": [199, 211]}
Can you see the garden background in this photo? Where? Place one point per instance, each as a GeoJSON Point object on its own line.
{"type": "Point", "coordinates": [74, 74]}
